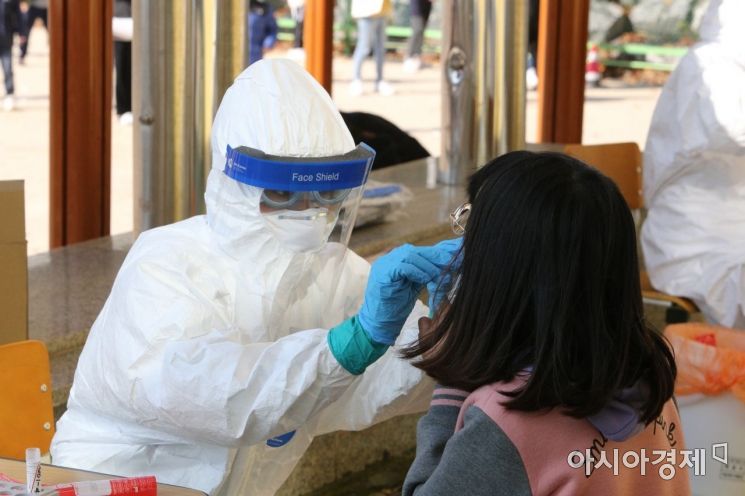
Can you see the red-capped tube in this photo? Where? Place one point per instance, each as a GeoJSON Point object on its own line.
{"type": "Point", "coordinates": [136, 486]}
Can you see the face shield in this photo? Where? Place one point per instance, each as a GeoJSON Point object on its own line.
{"type": "Point", "coordinates": [305, 201]}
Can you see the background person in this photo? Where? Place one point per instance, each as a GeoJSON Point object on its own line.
{"type": "Point", "coordinates": [122, 30]}
{"type": "Point", "coordinates": [230, 340]}
{"type": "Point", "coordinates": [419, 11]}
{"type": "Point", "coordinates": [547, 351]}
{"type": "Point", "coordinates": [37, 9]}
{"type": "Point", "coordinates": [372, 16]}
{"type": "Point", "coordinates": [531, 71]}
{"type": "Point", "coordinates": [694, 173]}
{"type": "Point", "coordinates": [10, 23]}
{"type": "Point", "coordinates": [262, 30]}
{"type": "Point", "coordinates": [297, 11]}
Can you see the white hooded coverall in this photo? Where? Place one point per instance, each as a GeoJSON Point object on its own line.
{"type": "Point", "coordinates": [213, 338]}
{"type": "Point", "coordinates": [694, 172]}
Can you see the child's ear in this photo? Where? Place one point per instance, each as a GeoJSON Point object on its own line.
{"type": "Point", "coordinates": [425, 324]}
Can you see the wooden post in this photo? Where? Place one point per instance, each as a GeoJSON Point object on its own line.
{"type": "Point", "coordinates": [318, 37]}
{"type": "Point", "coordinates": [80, 119]}
{"type": "Point", "coordinates": [562, 48]}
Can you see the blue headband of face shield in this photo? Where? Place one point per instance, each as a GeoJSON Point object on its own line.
{"type": "Point", "coordinates": [286, 179]}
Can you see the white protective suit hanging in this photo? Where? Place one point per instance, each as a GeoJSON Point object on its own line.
{"type": "Point", "coordinates": [213, 339]}
{"type": "Point", "coordinates": [694, 172]}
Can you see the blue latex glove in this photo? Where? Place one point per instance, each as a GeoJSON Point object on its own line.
{"type": "Point", "coordinates": [440, 286]}
{"type": "Point", "coordinates": [396, 279]}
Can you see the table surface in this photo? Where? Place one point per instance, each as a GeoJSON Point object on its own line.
{"type": "Point", "coordinates": [51, 474]}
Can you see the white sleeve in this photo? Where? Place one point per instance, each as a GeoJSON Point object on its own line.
{"type": "Point", "coordinates": [722, 104]}
{"type": "Point", "coordinates": [226, 393]}
{"type": "Point", "coordinates": [162, 356]}
{"type": "Point", "coordinates": [389, 387]}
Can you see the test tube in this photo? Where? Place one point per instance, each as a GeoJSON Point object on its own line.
{"type": "Point", "coordinates": [33, 470]}
{"type": "Point", "coordinates": [135, 486]}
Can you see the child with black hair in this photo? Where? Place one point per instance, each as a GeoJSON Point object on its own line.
{"type": "Point", "coordinates": [550, 373]}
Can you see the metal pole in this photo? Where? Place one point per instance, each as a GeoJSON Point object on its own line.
{"type": "Point", "coordinates": [485, 50]}
{"type": "Point", "coordinates": [231, 46]}
{"type": "Point", "coordinates": [180, 69]}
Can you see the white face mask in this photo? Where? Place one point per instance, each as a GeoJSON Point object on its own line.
{"type": "Point", "coordinates": [301, 231]}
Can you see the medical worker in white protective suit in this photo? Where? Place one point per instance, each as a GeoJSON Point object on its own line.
{"type": "Point", "coordinates": [212, 364]}
{"type": "Point", "coordinates": [694, 172]}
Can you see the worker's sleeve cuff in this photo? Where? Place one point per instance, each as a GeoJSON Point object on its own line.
{"type": "Point", "coordinates": [352, 347]}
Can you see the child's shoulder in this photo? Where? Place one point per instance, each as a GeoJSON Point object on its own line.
{"type": "Point", "coordinates": [492, 397]}
{"type": "Point", "coordinates": [516, 424]}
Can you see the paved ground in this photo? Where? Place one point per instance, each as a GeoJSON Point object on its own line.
{"type": "Point", "coordinates": [24, 148]}
{"type": "Point", "coordinates": [612, 113]}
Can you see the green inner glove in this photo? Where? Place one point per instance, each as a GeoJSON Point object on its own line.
{"type": "Point", "coordinates": [352, 347]}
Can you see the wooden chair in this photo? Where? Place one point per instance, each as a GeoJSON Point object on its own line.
{"type": "Point", "coordinates": [26, 412]}
{"type": "Point", "coordinates": [622, 162]}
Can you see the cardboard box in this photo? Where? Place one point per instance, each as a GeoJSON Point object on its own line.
{"type": "Point", "coordinates": [13, 264]}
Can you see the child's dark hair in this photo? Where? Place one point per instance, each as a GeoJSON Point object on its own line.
{"type": "Point", "coordinates": [549, 283]}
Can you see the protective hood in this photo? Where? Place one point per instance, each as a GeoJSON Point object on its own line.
{"type": "Point", "coordinates": [722, 23]}
{"type": "Point", "coordinates": [277, 107]}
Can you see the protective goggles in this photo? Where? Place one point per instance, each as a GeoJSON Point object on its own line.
{"type": "Point", "coordinates": [285, 181]}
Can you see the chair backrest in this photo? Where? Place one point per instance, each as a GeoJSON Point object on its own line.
{"type": "Point", "coordinates": [622, 162]}
{"type": "Point", "coordinates": [26, 412]}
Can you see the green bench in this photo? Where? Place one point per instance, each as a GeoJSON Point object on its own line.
{"type": "Point", "coordinates": [641, 49]}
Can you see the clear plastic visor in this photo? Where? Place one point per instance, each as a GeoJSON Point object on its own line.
{"type": "Point", "coordinates": [306, 189]}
